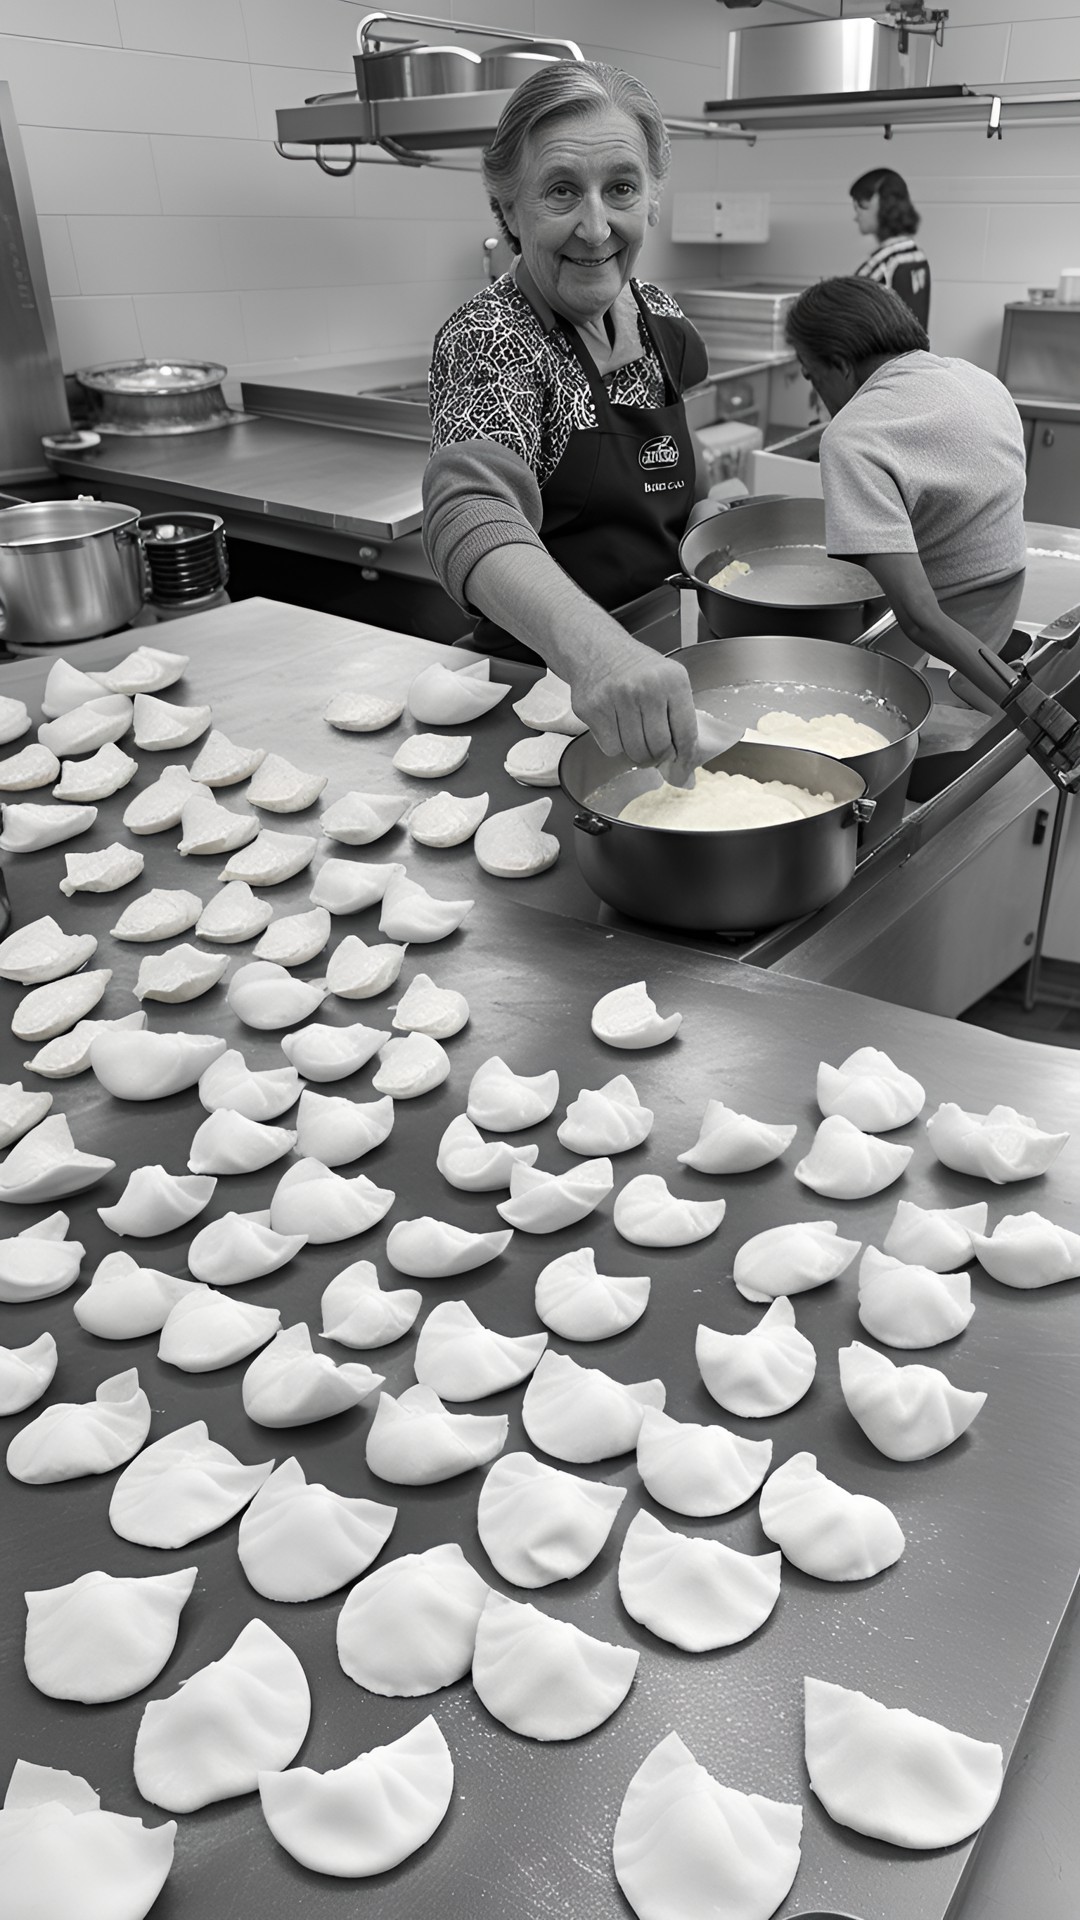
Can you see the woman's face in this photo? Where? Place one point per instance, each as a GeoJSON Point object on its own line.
{"type": "Point", "coordinates": [583, 209]}
{"type": "Point", "coordinates": [866, 214]}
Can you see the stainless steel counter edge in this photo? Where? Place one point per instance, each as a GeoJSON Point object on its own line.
{"type": "Point", "coordinates": [248, 466]}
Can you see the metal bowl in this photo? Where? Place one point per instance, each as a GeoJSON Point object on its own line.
{"type": "Point", "coordinates": [155, 396]}
{"type": "Point", "coordinates": [721, 882]}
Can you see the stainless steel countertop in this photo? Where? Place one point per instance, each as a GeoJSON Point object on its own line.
{"type": "Point", "coordinates": [959, 1629]}
{"type": "Point", "coordinates": [360, 485]}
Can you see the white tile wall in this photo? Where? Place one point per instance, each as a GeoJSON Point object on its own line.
{"type": "Point", "coordinates": [285, 323]}
{"type": "Point", "coordinates": [147, 255]}
{"type": "Point", "coordinates": [202, 27]}
{"type": "Point", "coordinates": [193, 326]}
{"type": "Point", "coordinates": [60, 269]}
{"type": "Point", "coordinates": [211, 177]}
{"type": "Point", "coordinates": [85, 20]}
{"type": "Point", "coordinates": [977, 12]}
{"type": "Point", "coordinates": [82, 171]}
{"type": "Point", "coordinates": [404, 315]}
{"type": "Point", "coordinates": [1045, 50]}
{"type": "Point", "coordinates": [55, 84]}
{"type": "Point", "coordinates": [971, 56]}
{"type": "Point", "coordinates": [91, 331]}
{"type": "Point", "coordinates": [172, 226]}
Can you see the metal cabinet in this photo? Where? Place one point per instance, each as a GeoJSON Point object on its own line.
{"type": "Point", "coordinates": [1053, 483]}
{"type": "Point", "coordinates": [955, 919]}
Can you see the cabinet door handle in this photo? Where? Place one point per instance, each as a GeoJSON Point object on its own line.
{"type": "Point", "coordinates": [1048, 437]}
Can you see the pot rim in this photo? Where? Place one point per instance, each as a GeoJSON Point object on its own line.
{"type": "Point", "coordinates": [823, 607]}
{"type": "Point", "coordinates": [31, 542]}
{"type": "Point", "coordinates": [728, 835]}
{"type": "Point", "coordinates": [196, 376]}
{"type": "Point", "coordinates": [815, 640]}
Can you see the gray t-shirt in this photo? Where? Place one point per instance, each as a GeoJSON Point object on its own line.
{"type": "Point", "coordinates": [928, 458]}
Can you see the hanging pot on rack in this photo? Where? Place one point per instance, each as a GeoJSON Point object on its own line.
{"type": "Point", "coordinates": [511, 62]}
{"type": "Point", "coordinates": [415, 71]}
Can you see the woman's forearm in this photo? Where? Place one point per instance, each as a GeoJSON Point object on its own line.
{"type": "Point", "coordinates": [903, 579]}
{"type": "Point", "coordinates": [635, 701]}
{"type": "Point", "coordinates": [523, 590]}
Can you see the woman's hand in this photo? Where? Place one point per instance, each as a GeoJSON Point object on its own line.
{"type": "Point", "coordinates": [635, 701]}
{"type": "Point", "coordinates": [639, 703]}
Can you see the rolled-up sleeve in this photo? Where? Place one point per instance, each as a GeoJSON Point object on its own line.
{"type": "Point", "coordinates": [480, 488]}
{"type": "Point", "coordinates": [478, 495]}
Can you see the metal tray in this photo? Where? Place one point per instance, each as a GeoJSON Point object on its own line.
{"type": "Point", "coordinates": [959, 1630]}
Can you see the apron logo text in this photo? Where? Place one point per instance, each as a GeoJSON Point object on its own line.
{"type": "Point", "coordinates": [663, 486]}
{"type": "Point", "coordinates": [659, 453]}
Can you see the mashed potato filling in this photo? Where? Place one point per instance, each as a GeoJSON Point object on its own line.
{"type": "Point", "coordinates": [837, 734]}
{"type": "Point", "coordinates": [724, 802]}
{"type": "Point", "coordinates": [729, 573]}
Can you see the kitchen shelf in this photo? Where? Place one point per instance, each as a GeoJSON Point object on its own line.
{"type": "Point", "coordinates": [423, 127]}
{"type": "Point", "coordinates": [995, 108]}
{"type": "Point", "coordinates": [425, 124]}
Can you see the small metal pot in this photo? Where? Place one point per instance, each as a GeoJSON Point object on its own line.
{"type": "Point", "coordinates": [69, 570]}
{"type": "Point", "coordinates": [509, 63]}
{"type": "Point", "coordinates": [737, 882]}
{"type": "Point", "coordinates": [411, 72]}
{"type": "Point", "coordinates": [721, 531]}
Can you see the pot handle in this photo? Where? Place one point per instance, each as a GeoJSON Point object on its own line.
{"type": "Point", "coordinates": [8, 500]}
{"type": "Point", "coordinates": [128, 537]}
{"type": "Point", "coordinates": [863, 809]}
{"type": "Point", "coordinates": [591, 823]}
{"type": "Point", "coordinates": [877, 632]}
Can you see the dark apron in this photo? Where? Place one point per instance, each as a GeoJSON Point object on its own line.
{"type": "Point", "coordinates": [618, 501]}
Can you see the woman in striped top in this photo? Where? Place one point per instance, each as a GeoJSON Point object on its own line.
{"type": "Point", "coordinates": [883, 208]}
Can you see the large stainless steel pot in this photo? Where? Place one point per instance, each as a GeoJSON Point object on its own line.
{"type": "Point", "coordinates": [739, 680]}
{"type": "Point", "coordinates": [770, 532]}
{"type": "Point", "coordinates": [737, 882]}
{"type": "Point", "coordinates": [69, 570]}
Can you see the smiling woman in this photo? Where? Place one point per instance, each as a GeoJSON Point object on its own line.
{"type": "Point", "coordinates": [562, 467]}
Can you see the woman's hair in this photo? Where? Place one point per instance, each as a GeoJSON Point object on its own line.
{"type": "Point", "coordinates": [896, 213]}
{"type": "Point", "coordinates": [567, 89]}
{"type": "Point", "coordinates": [852, 319]}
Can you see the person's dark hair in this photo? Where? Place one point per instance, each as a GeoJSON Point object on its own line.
{"type": "Point", "coordinates": [896, 214]}
{"type": "Point", "coordinates": [567, 89]}
{"type": "Point", "coordinates": [850, 319]}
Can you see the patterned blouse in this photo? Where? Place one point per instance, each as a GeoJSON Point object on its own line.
{"type": "Point", "coordinates": [506, 392]}
{"type": "Point", "coordinates": [497, 373]}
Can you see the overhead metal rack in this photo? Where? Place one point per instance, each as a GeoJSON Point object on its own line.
{"type": "Point", "coordinates": [896, 109]}
{"type": "Point", "coordinates": [334, 129]}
